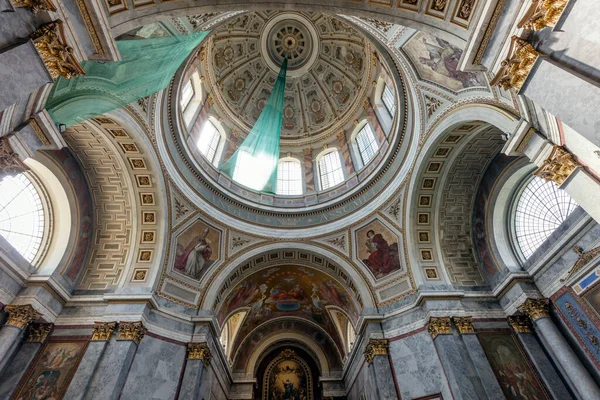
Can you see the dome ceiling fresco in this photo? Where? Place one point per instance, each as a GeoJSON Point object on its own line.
{"type": "Point", "coordinates": [328, 69]}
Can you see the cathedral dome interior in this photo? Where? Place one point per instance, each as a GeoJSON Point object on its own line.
{"type": "Point", "coordinates": [324, 200]}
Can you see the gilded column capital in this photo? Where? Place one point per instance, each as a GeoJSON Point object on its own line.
{"type": "Point", "coordinates": [516, 66]}
{"type": "Point", "coordinates": [20, 316]}
{"type": "Point", "coordinates": [199, 351]}
{"type": "Point", "coordinates": [34, 6]}
{"type": "Point", "coordinates": [535, 308]}
{"type": "Point", "coordinates": [10, 163]}
{"type": "Point", "coordinates": [439, 326]}
{"type": "Point", "coordinates": [341, 135]}
{"type": "Point", "coordinates": [558, 166]}
{"type": "Point", "coordinates": [307, 151]}
{"type": "Point", "coordinates": [464, 324]}
{"type": "Point", "coordinates": [131, 331]}
{"type": "Point", "coordinates": [103, 331]}
{"type": "Point", "coordinates": [520, 323]}
{"type": "Point", "coordinates": [542, 13]}
{"type": "Point", "coordinates": [376, 347]}
{"type": "Point", "coordinates": [38, 333]}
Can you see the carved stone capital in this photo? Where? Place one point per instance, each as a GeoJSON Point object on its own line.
{"type": "Point", "coordinates": [10, 163]}
{"type": "Point", "coordinates": [542, 13]}
{"type": "Point", "coordinates": [535, 308]}
{"type": "Point", "coordinates": [34, 6]}
{"type": "Point", "coordinates": [103, 331]}
{"type": "Point", "coordinates": [439, 326]}
{"type": "Point", "coordinates": [51, 44]}
{"type": "Point", "coordinates": [131, 331]}
{"type": "Point", "coordinates": [199, 351]}
{"type": "Point", "coordinates": [21, 316]}
{"type": "Point", "coordinates": [464, 324]}
{"type": "Point", "coordinates": [558, 166]}
{"type": "Point", "coordinates": [38, 333]}
{"type": "Point", "coordinates": [520, 323]}
{"type": "Point", "coordinates": [376, 347]}
{"type": "Point", "coordinates": [516, 66]}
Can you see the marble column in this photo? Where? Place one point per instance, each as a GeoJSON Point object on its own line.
{"type": "Point", "coordinates": [477, 358]}
{"type": "Point", "coordinates": [578, 378]}
{"type": "Point", "coordinates": [380, 370]}
{"type": "Point", "coordinates": [308, 170]}
{"type": "Point", "coordinates": [90, 361]}
{"type": "Point", "coordinates": [37, 334]}
{"type": "Point", "coordinates": [543, 365]}
{"type": "Point", "coordinates": [111, 374]}
{"type": "Point", "coordinates": [13, 332]}
{"type": "Point", "coordinates": [345, 151]}
{"type": "Point", "coordinates": [198, 359]}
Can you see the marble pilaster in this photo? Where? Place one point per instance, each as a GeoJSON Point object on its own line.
{"type": "Point", "coordinates": [13, 332]}
{"type": "Point", "coordinates": [198, 360]}
{"type": "Point", "coordinates": [380, 370]}
{"type": "Point", "coordinates": [345, 152]}
{"type": "Point", "coordinates": [309, 176]}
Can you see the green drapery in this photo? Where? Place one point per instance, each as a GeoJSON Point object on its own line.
{"type": "Point", "coordinates": [258, 155]}
{"type": "Point", "coordinates": [147, 66]}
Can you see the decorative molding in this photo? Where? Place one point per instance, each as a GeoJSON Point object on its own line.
{"type": "Point", "coordinates": [491, 28]}
{"type": "Point", "coordinates": [520, 323]}
{"type": "Point", "coordinates": [50, 42]}
{"type": "Point", "coordinates": [37, 129]}
{"type": "Point", "coordinates": [464, 324]}
{"type": "Point", "coordinates": [439, 326]}
{"type": "Point", "coordinates": [89, 26]}
{"type": "Point", "coordinates": [199, 351]}
{"type": "Point", "coordinates": [376, 347]}
{"type": "Point", "coordinates": [432, 104]}
{"type": "Point", "coordinates": [521, 146]}
{"type": "Point", "coordinates": [584, 258]}
{"type": "Point", "coordinates": [20, 316]}
{"type": "Point", "coordinates": [10, 163]}
{"type": "Point", "coordinates": [516, 66]}
{"type": "Point", "coordinates": [542, 13]}
{"type": "Point", "coordinates": [535, 308]}
{"type": "Point", "coordinates": [103, 331]}
{"type": "Point", "coordinates": [558, 166]}
{"type": "Point", "coordinates": [38, 333]}
{"type": "Point", "coordinates": [131, 331]}
{"type": "Point", "coordinates": [34, 6]}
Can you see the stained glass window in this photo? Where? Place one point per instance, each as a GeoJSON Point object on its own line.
{"type": "Point", "coordinates": [289, 178]}
{"type": "Point", "coordinates": [330, 170]}
{"type": "Point", "coordinates": [367, 145]}
{"type": "Point", "coordinates": [388, 100]}
{"type": "Point", "coordinates": [208, 142]}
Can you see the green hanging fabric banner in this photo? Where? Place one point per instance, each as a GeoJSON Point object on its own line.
{"type": "Point", "coordinates": [147, 66]}
{"type": "Point", "coordinates": [254, 164]}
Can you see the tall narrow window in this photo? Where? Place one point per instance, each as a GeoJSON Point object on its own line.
{"type": "Point", "coordinates": [330, 170]}
{"type": "Point", "coordinates": [187, 94]}
{"type": "Point", "coordinates": [367, 145]}
{"type": "Point", "coordinates": [289, 177]}
{"type": "Point", "coordinates": [22, 216]}
{"type": "Point", "coordinates": [208, 142]}
{"type": "Point", "coordinates": [388, 100]}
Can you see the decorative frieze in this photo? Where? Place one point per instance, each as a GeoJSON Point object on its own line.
{"type": "Point", "coordinates": [520, 323]}
{"type": "Point", "coordinates": [558, 166]}
{"type": "Point", "coordinates": [464, 324]}
{"type": "Point", "coordinates": [50, 42]}
{"type": "Point", "coordinates": [535, 308]}
{"type": "Point", "coordinates": [10, 163]}
{"type": "Point", "coordinates": [516, 66]}
{"type": "Point", "coordinates": [34, 6]}
{"type": "Point", "coordinates": [376, 347]}
{"type": "Point", "coordinates": [542, 13]}
{"type": "Point", "coordinates": [103, 331]}
{"type": "Point", "coordinates": [199, 351]}
{"type": "Point", "coordinates": [131, 331]}
{"type": "Point", "coordinates": [21, 316]}
{"type": "Point", "coordinates": [439, 326]}
{"type": "Point", "coordinates": [38, 333]}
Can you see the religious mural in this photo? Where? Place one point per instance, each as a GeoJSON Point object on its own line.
{"type": "Point", "coordinates": [378, 249]}
{"type": "Point", "coordinates": [437, 60]}
{"type": "Point", "coordinates": [51, 371]}
{"type": "Point", "coordinates": [197, 249]}
{"type": "Point", "coordinates": [593, 298]}
{"type": "Point", "coordinates": [287, 378]}
{"type": "Point", "coordinates": [514, 373]}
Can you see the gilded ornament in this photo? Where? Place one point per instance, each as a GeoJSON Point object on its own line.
{"type": "Point", "coordinates": [287, 354]}
{"type": "Point", "coordinates": [103, 331]}
{"type": "Point", "coordinates": [558, 166]}
{"type": "Point", "coordinates": [582, 261]}
{"type": "Point", "coordinates": [10, 163]}
{"type": "Point", "coordinates": [439, 326]}
{"type": "Point", "coordinates": [439, 5]}
{"type": "Point", "coordinates": [49, 40]}
{"type": "Point", "coordinates": [535, 308]}
{"type": "Point", "coordinates": [131, 331]}
{"type": "Point", "coordinates": [38, 333]}
{"type": "Point", "coordinates": [491, 28]}
{"type": "Point", "coordinates": [376, 347]}
{"type": "Point", "coordinates": [20, 316]}
{"type": "Point", "coordinates": [34, 6]}
{"type": "Point", "coordinates": [520, 323]}
{"type": "Point", "coordinates": [37, 129]}
{"type": "Point", "coordinates": [199, 351]}
{"type": "Point", "coordinates": [516, 66]}
{"type": "Point", "coordinates": [464, 324]}
{"type": "Point", "coordinates": [542, 13]}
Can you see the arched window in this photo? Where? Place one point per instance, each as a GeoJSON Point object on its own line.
{"type": "Point", "coordinates": [541, 208]}
{"type": "Point", "coordinates": [388, 99]}
{"type": "Point", "coordinates": [208, 141]}
{"type": "Point", "coordinates": [187, 94]}
{"type": "Point", "coordinates": [22, 216]}
{"type": "Point", "coordinates": [190, 99]}
{"type": "Point", "coordinates": [289, 177]}
{"type": "Point", "coordinates": [330, 169]}
{"type": "Point", "coordinates": [367, 144]}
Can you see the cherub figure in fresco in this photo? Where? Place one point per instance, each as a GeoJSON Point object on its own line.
{"type": "Point", "coordinates": [195, 257]}
{"type": "Point", "coordinates": [383, 258]}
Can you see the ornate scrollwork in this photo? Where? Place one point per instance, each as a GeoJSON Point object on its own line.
{"type": "Point", "coordinates": [131, 331]}
{"type": "Point", "coordinates": [21, 316]}
{"type": "Point", "coordinates": [199, 351]}
{"type": "Point", "coordinates": [584, 258]}
{"type": "Point", "coordinates": [376, 347]}
{"type": "Point", "coordinates": [519, 323]}
{"type": "Point", "coordinates": [38, 333]}
{"type": "Point", "coordinates": [558, 166]}
{"type": "Point", "coordinates": [34, 6]}
{"type": "Point", "coordinates": [103, 331]}
{"type": "Point", "coordinates": [464, 324]}
{"type": "Point", "coordinates": [542, 13]}
{"type": "Point", "coordinates": [516, 66]}
{"type": "Point", "coordinates": [49, 40]}
{"type": "Point", "coordinates": [10, 163]}
{"type": "Point", "coordinates": [535, 308]}
{"type": "Point", "coordinates": [439, 326]}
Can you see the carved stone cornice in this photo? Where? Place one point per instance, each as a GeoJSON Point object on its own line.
{"type": "Point", "coordinates": [464, 324]}
{"type": "Point", "coordinates": [38, 333]}
{"type": "Point", "coordinates": [535, 308]}
{"type": "Point", "coordinates": [103, 331]}
{"type": "Point", "coordinates": [439, 326]}
{"type": "Point", "coordinates": [542, 13]}
{"type": "Point", "coordinates": [34, 6]}
{"type": "Point", "coordinates": [131, 331]}
{"type": "Point", "coordinates": [520, 323]}
{"type": "Point", "coordinates": [582, 261]}
{"type": "Point", "coordinates": [558, 166]}
{"type": "Point", "coordinates": [50, 42]}
{"type": "Point", "coordinates": [21, 316]}
{"type": "Point", "coordinates": [199, 351]}
{"type": "Point", "coordinates": [10, 163]}
{"type": "Point", "coordinates": [516, 66]}
{"type": "Point", "coordinates": [376, 347]}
